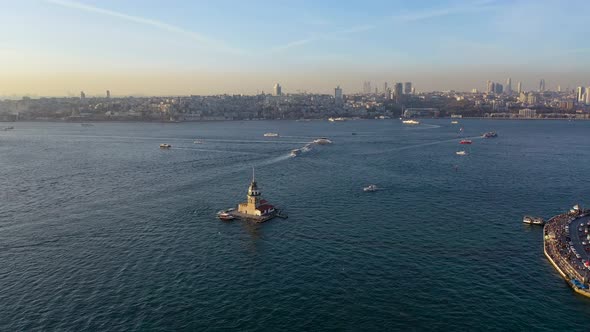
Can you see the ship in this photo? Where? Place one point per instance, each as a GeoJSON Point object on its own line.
{"type": "Point", "coordinates": [454, 122]}
{"type": "Point", "coordinates": [465, 141]}
{"type": "Point", "coordinates": [322, 141]}
{"type": "Point", "coordinates": [462, 153]}
{"type": "Point", "coordinates": [370, 188]}
{"type": "Point", "coordinates": [490, 134]}
{"type": "Point", "coordinates": [165, 146]}
{"type": "Point", "coordinates": [411, 122]}
{"type": "Point", "coordinates": [271, 135]}
{"type": "Point", "coordinates": [533, 220]}
{"type": "Point", "coordinates": [225, 216]}
{"type": "Point", "coordinates": [295, 152]}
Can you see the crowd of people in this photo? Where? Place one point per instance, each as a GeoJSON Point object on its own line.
{"type": "Point", "coordinates": [559, 247]}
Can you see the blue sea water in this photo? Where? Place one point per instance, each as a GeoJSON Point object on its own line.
{"type": "Point", "coordinates": [102, 230]}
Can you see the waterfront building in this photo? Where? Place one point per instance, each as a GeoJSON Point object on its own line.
{"type": "Point", "coordinates": [527, 113]}
{"type": "Point", "coordinates": [255, 206]}
{"type": "Point", "coordinates": [277, 90]}
{"type": "Point", "coordinates": [531, 98]}
{"type": "Point", "coordinates": [407, 88]}
{"type": "Point", "coordinates": [338, 95]}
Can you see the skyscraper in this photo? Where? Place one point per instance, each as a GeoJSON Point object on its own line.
{"type": "Point", "coordinates": [587, 96]}
{"type": "Point", "coordinates": [338, 95]}
{"type": "Point", "coordinates": [108, 93]}
{"type": "Point", "coordinates": [385, 88]}
{"type": "Point", "coordinates": [408, 88]}
{"type": "Point", "coordinates": [519, 87]}
{"type": "Point", "coordinates": [542, 85]}
{"type": "Point", "coordinates": [489, 87]}
{"type": "Point", "coordinates": [580, 94]}
{"type": "Point", "coordinates": [509, 85]}
{"type": "Point", "coordinates": [559, 88]}
{"type": "Point", "coordinates": [498, 88]}
{"type": "Point", "coordinates": [398, 90]}
{"type": "Point", "coordinates": [277, 90]}
{"type": "Point", "coordinates": [82, 95]}
{"type": "Point", "coordinates": [366, 87]}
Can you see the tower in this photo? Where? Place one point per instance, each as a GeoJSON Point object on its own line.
{"type": "Point", "coordinates": [253, 192]}
{"type": "Point", "coordinates": [508, 85]}
{"type": "Point", "coordinates": [542, 85]}
{"type": "Point", "coordinates": [108, 93]}
{"type": "Point", "coordinates": [338, 95]}
{"type": "Point", "coordinates": [277, 90]}
{"type": "Point", "coordinates": [519, 87]}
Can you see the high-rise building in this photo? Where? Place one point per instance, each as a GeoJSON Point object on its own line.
{"type": "Point", "coordinates": [338, 95]}
{"type": "Point", "coordinates": [277, 90]}
{"type": "Point", "coordinates": [398, 90]}
{"type": "Point", "coordinates": [559, 88]}
{"type": "Point", "coordinates": [492, 87]}
{"type": "Point", "coordinates": [367, 87]}
{"type": "Point", "coordinates": [408, 88]}
{"type": "Point", "coordinates": [519, 87]}
{"type": "Point", "coordinates": [498, 88]}
{"type": "Point", "coordinates": [580, 94]}
{"type": "Point", "coordinates": [82, 95]}
{"type": "Point", "coordinates": [489, 87]}
{"type": "Point", "coordinates": [509, 85]}
{"type": "Point", "coordinates": [587, 96]}
{"type": "Point", "coordinates": [108, 93]}
{"type": "Point", "coordinates": [542, 85]}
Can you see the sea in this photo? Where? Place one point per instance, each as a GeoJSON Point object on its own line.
{"type": "Point", "coordinates": [101, 230]}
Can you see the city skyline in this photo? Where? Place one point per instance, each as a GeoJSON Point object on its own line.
{"type": "Point", "coordinates": [59, 47]}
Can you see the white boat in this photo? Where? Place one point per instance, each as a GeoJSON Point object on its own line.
{"type": "Point", "coordinates": [454, 122]}
{"type": "Point", "coordinates": [322, 141]}
{"type": "Point", "coordinates": [411, 122]}
{"type": "Point", "coordinates": [271, 135]}
{"type": "Point", "coordinates": [336, 119]}
{"type": "Point", "coordinates": [462, 153]}
{"type": "Point", "coordinates": [295, 152]}
{"type": "Point", "coordinates": [198, 141]}
{"type": "Point", "coordinates": [370, 188]}
{"type": "Point", "coordinates": [165, 146]}
{"type": "Point", "coordinates": [533, 220]}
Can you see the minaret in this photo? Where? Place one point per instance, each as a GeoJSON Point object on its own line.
{"type": "Point", "coordinates": [253, 193]}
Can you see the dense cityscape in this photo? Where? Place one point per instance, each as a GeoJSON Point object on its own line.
{"type": "Point", "coordinates": [375, 101]}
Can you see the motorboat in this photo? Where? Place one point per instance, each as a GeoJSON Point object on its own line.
{"type": "Point", "coordinates": [370, 188]}
{"type": "Point", "coordinates": [322, 141]}
{"type": "Point", "coordinates": [165, 146]}
{"type": "Point", "coordinates": [271, 135]}
{"type": "Point", "coordinates": [533, 220]}
{"type": "Point", "coordinates": [295, 152]}
{"type": "Point", "coordinates": [490, 134]}
{"type": "Point", "coordinates": [198, 141]}
{"type": "Point", "coordinates": [411, 122]}
{"type": "Point", "coordinates": [465, 141]}
{"type": "Point", "coordinates": [454, 122]}
{"type": "Point", "coordinates": [462, 153]}
{"type": "Point", "coordinates": [225, 216]}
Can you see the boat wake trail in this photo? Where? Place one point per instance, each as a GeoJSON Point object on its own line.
{"type": "Point", "coordinates": [217, 151]}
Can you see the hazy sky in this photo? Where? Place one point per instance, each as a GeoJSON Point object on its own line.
{"type": "Point", "coordinates": [59, 47]}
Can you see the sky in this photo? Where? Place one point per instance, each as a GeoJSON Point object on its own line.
{"type": "Point", "coordinates": [157, 47]}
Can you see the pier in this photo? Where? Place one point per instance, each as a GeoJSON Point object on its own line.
{"type": "Point", "coordinates": [563, 246]}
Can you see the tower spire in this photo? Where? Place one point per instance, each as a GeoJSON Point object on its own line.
{"type": "Point", "coordinates": [253, 178]}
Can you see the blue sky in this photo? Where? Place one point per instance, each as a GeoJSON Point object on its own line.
{"type": "Point", "coordinates": [50, 46]}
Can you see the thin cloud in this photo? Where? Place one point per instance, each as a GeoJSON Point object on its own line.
{"type": "Point", "coordinates": [220, 46]}
{"type": "Point", "coordinates": [441, 12]}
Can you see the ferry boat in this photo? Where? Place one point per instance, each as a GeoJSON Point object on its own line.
{"type": "Point", "coordinates": [165, 146]}
{"type": "Point", "coordinates": [490, 134]}
{"type": "Point", "coordinates": [462, 153]}
{"type": "Point", "coordinates": [295, 152]}
{"type": "Point", "coordinates": [465, 141]}
{"type": "Point", "coordinates": [533, 220]}
{"type": "Point", "coordinates": [370, 188]}
{"type": "Point", "coordinates": [271, 135]}
{"type": "Point", "coordinates": [322, 141]}
{"type": "Point", "coordinates": [411, 122]}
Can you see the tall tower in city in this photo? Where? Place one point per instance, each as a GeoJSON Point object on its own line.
{"type": "Point", "coordinates": [408, 88]}
{"type": "Point", "coordinates": [559, 88]}
{"type": "Point", "coordinates": [82, 95]}
{"type": "Point", "coordinates": [108, 93]}
{"type": "Point", "coordinates": [519, 87]}
{"type": "Point", "coordinates": [385, 88]}
{"type": "Point", "coordinates": [398, 90]}
{"type": "Point", "coordinates": [338, 95]}
{"type": "Point", "coordinates": [542, 85]}
{"type": "Point", "coordinates": [508, 85]}
{"type": "Point", "coordinates": [489, 86]}
{"type": "Point", "coordinates": [587, 95]}
{"type": "Point", "coordinates": [277, 90]}
{"type": "Point", "coordinates": [580, 94]}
